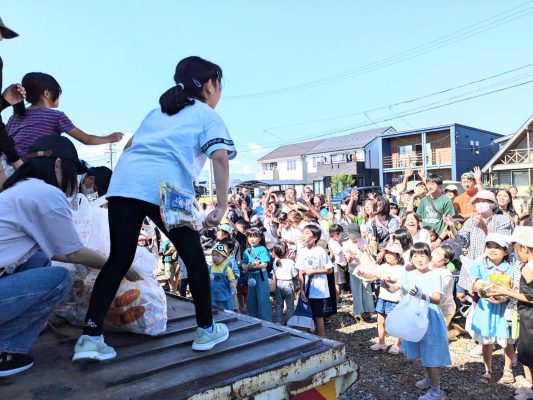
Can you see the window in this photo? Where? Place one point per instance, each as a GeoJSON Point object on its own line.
{"type": "Point", "coordinates": [291, 165]}
{"type": "Point", "coordinates": [270, 167]}
{"type": "Point", "coordinates": [474, 146]}
{"type": "Point", "coordinates": [405, 150]}
{"type": "Point", "coordinates": [520, 179]}
{"type": "Point", "coordinates": [316, 161]}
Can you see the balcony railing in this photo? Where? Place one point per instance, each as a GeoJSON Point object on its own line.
{"type": "Point", "coordinates": [435, 157]}
{"type": "Point", "coordinates": [518, 156]}
{"type": "Point", "coordinates": [270, 175]}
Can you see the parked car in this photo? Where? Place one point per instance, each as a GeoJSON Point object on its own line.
{"type": "Point", "coordinates": [363, 192]}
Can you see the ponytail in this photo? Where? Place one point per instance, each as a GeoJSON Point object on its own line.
{"type": "Point", "coordinates": [174, 100]}
{"type": "Point", "coordinates": [190, 76]}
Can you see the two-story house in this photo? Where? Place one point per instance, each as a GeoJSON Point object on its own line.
{"type": "Point", "coordinates": [513, 163]}
{"type": "Point", "coordinates": [287, 162]}
{"type": "Point", "coordinates": [343, 154]}
{"type": "Point", "coordinates": [447, 150]}
{"type": "Point", "coordinates": [316, 161]}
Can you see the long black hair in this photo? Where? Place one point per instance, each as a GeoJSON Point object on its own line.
{"type": "Point", "coordinates": [191, 75]}
{"type": "Point", "coordinates": [35, 84]}
{"type": "Point", "coordinates": [43, 168]}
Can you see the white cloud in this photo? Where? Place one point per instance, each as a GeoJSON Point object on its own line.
{"type": "Point", "coordinates": [255, 148]}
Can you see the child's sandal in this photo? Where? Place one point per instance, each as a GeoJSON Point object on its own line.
{"type": "Point", "coordinates": [378, 347]}
{"type": "Point", "coordinates": [507, 377]}
{"type": "Point", "coordinates": [394, 350]}
{"type": "Point", "coordinates": [486, 377]}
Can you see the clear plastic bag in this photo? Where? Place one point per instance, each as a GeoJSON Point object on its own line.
{"type": "Point", "coordinates": [179, 209]}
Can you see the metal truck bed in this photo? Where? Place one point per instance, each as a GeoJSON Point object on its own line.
{"type": "Point", "coordinates": [260, 360]}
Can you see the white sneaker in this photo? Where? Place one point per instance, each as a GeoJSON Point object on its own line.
{"type": "Point", "coordinates": [433, 394]}
{"type": "Point", "coordinates": [477, 351]}
{"type": "Point", "coordinates": [423, 383]}
{"type": "Point", "coordinates": [88, 349]}
{"type": "Point", "coordinates": [203, 340]}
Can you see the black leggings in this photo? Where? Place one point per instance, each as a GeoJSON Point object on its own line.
{"type": "Point", "coordinates": [125, 221]}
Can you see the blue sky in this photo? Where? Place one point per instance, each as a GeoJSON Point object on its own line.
{"type": "Point", "coordinates": [114, 59]}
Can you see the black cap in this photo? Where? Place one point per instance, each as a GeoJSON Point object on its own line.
{"type": "Point", "coordinates": [6, 32]}
{"type": "Point", "coordinates": [56, 146]}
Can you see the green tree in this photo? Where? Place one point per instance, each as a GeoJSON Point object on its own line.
{"type": "Point", "coordinates": [340, 182]}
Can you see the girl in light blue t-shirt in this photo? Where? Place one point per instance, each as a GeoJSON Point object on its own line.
{"type": "Point", "coordinates": [171, 146]}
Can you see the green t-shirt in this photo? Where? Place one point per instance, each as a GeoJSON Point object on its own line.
{"type": "Point", "coordinates": [164, 247]}
{"type": "Point", "coordinates": [432, 211]}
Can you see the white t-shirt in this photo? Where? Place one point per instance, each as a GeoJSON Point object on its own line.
{"type": "Point", "coordinates": [350, 247]}
{"type": "Point", "coordinates": [393, 271]}
{"type": "Point", "coordinates": [336, 248]}
{"type": "Point", "coordinates": [172, 149]}
{"type": "Point", "coordinates": [422, 236]}
{"type": "Point", "coordinates": [293, 235]}
{"type": "Point", "coordinates": [447, 303]}
{"type": "Point", "coordinates": [315, 258]}
{"type": "Point", "coordinates": [35, 216]}
{"type": "Point", "coordinates": [286, 270]}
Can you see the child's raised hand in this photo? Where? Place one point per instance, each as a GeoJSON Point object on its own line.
{"type": "Point", "coordinates": [14, 93]}
{"type": "Point", "coordinates": [414, 291]}
{"type": "Point", "coordinates": [115, 137]}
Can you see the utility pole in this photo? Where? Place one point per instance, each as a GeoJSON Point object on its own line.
{"type": "Point", "coordinates": [111, 151]}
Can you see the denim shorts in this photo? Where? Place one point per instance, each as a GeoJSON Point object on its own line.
{"type": "Point", "coordinates": [385, 306]}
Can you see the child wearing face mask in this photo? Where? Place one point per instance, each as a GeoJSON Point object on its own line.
{"type": "Point", "coordinates": [489, 324]}
{"type": "Point", "coordinates": [96, 182]}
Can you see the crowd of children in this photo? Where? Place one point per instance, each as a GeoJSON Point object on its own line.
{"type": "Point", "coordinates": [288, 249]}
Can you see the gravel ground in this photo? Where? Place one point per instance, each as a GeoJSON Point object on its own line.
{"type": "Point", "coordinates": [385, 376]}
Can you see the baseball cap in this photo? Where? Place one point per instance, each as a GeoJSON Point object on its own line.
{"type": "Point", "coordinates": [499, 239]}
{"type": "Point", "coordinates": [522, 235]}
{"type": "Point", "coordinates": [484, 195]}
{"type": "Point", "coordinates": [226, 228]}
{"type": "Point", "coordinates": [6, 32]}
{"type": "Point", "coordinates": [56, 146]}
{"type": "Point", "coordinates": [408, 191]}
{"type": "Point", "coordinates": [469, 175]}
{"type": "Point", "coordinates": [451, 188]}
{"type": "Point", "coordinates": [354, 230]}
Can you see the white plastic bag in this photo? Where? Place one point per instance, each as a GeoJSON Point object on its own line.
{"type": "Point", "coordinates": [81, 215]}
{"type": "Point", "coordinates": [99, 237]}
{"type": "Point", "coordinates": [409, 319]}
{"type": "Point", "coordinates": [139, 307]}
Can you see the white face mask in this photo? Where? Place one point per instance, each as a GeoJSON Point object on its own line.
{"type": "Point", "coordinates": [87, 191]}
{"type": "Point", "coordinates": [482, 208]}
{"type": "Point", "coordinates": [344, 207]}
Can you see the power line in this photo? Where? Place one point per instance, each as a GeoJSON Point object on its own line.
{"type": "Point", "coordinates": [415, 99]}
{"type": "Point", "coordinates": [461, 34]}
{"type": "Point", "coordinates": [332, 132]}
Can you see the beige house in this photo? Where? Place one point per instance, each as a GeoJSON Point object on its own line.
{"type": "Point", "coordinates": [513, 163]}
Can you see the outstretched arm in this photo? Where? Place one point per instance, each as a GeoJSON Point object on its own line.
{"type": "Point", "coordinates": [85, 138]}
